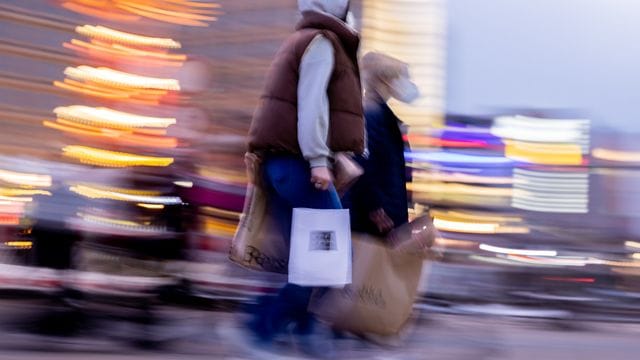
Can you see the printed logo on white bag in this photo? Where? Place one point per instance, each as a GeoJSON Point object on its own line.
{"type": "Point", "coordinates": [323, 241]}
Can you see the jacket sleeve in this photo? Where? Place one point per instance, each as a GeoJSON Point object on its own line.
{"type": "Point", "coordinates": [369, 186]}
{"type": "Point", "coordinates": [315, 70]}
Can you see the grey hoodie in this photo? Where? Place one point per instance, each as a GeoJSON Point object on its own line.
{"type": "Point", "coordinates": [315, 70]}
{"type": "Point", "coordinates": [337, 8]}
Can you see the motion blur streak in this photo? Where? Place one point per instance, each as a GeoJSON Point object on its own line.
{"type": "Point", "coordinates": [93, 156]}
{"type": "Point", "coordinates": [111, 118]}
{"type": "Point", "coordinates": [616, 155]}
{"type": "Point", "coordinates": [24, 179]}
{"type": "Point", "coordinates": [105, 33]}
{"type": "Point", "coordinates": [116, 78]}
{"type": "Point", "coordinates": [96, 193]}
{"type": "Point", "coordinates": [501, 250]}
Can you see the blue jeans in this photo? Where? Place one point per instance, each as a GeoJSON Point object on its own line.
{"type": "Point", "coordinates": [287, 179]}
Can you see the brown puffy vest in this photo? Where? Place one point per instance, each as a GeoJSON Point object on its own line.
{"type": "Point", "coordinates": [274, 125]}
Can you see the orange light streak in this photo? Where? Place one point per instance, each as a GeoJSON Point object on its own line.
{"type": "Point", "coordinates": [105, 117]}
{"type": "Point", "coordinates": [107, 54]}
{"type": "Point", "coordinates": [195, 4]}
{"type": "Point", "coordinates": [141, 96]}
{"type": "Point", "coordinates": [167, 8]}
{"type": "Point", "coordinates": [156, 54]}
{"type": "Point", "coordinates": [70, 129]}
{"type": "Point", "coordinates": [117, 136]}
{"type": "Point", "coordinates": [173, 19]}
{"type": "Point", "coordinates": [101, 49]}
{"type": "Point", "coordinates": [100, 13]}
{"type": "Point", "coordinates": [88, 127]}
{"type": "Point", "coordinates": [99, 157]}
{"type": "Point", "coordinates": [115, 78]}
{"type": "Point", "coordinates": [115, 36]}
{"type": "Point", "coordinates": [9, 219]}
{"type": "Point", "coordinates": [82, 90]}
{"type": "Point", "coordinates": [155, 132]}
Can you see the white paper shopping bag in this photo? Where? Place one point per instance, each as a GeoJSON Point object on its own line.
{"type": "Point", "coordinates": [320, 252]}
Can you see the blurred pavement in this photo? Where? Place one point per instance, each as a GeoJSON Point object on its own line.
{"type": "Point", "coordinates": [196, 334]}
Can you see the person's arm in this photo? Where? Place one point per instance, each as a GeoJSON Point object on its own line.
{"type": "Point", "coordinates": [316, 68]}
{"type": "Point", "coordinates": [370, 189]}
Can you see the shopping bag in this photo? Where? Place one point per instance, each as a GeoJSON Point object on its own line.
{"type": "Point", "coordinates": [381, 296]}
{"type": "Point", "coordinates": [346, 172]}
{"type": "Point", "coordinates": [258, 243]}
{"type": "Point", "coordinates": [416, 237]}
{"type": "Point", "coordinates": [320, 251]}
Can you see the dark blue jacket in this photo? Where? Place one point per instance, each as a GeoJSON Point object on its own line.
{"type": "Point", "coordinates": [383, 184]}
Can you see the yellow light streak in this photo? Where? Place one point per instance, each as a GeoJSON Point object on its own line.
{"type": "Point", "coordinates": [25, 179]}
{"type": "Point", "coordinates": [80, 88]}
{"type": "Point", "coordinates": [219, 227]}
{"type": "Point", "coordinates": [545, 154]}
{"type": "Point", "coordinates": [625, 264]}
{"type": "Point", "coordinates": [478, 227]}
{"type": "Point", "coordinates": [632, 244]}
{"type": "Point", "coordinates": [478, 216]}
{"type": "Point", "coordinates": [120, 190]}
{"type": "Point", "coordinates": [23, 192]}
{"type": "Point", "coordinates": [151, 206]}
{"type": "Point", "coordinates": [173, 19]}
{"type": "Point", "coordinates": [104, 75]}
{"type": "Point", "coordinates": [98, 193]}
{"type": "Point", "coordinates": [16, 199]}
{"type": "Point", "coordinates": [226, 214]}
{"type": "Point", "coordinates": [124, 53]}
{"type": "Point", "coordinates": [105, 33]}
{"type": "Point", "coordinates": [19, 244]}
{"type": "Point", "coordinates": [454, 243]}
{"type": "Point", "coordinates": [446, 188]}
{"type": "Point", "coordinates": [107, 158]}
{"type": "Point", "coordinates": [115, 90]}
{"type": "Point", "coordinates": [146, 53]}
{"type": "Point", "coordinates": [159, 11]}
{"type": "Point", "coordinates": [616, 155]}
{"type": "Point", "coordinates": [114, 136]}
{"type": "Point", "coordinates": [459, 226]}
{"type": "Point", "coordinates": [111, 118]}
{"type": "Point", "coordinates": [461, 178]}
{"type": "Point", "coordinates": [99, 12]}
{"type": "Point", "coordinates": [195, 4]}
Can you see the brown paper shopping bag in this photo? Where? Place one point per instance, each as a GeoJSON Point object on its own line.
{"type": "Point", "coordinates": [381, 296]}
{"type": "Point", "coordinates": [258, 243]}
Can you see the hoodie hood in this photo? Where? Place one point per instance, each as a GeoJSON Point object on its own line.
{"type": "Point", "coordinates": [321, 21]}
{"type": "Point", "coordinates": [335, 8]}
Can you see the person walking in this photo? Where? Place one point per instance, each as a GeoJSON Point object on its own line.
{"type": "Point", "coordinates": [311, 108]}
{"type": "Point", "coordinates": [378, 201]}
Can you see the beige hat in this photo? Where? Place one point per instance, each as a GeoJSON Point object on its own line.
{"type": "Point", "coordinates": [379, 69]}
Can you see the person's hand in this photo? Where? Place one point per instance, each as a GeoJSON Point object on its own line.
{"type": "Point", "coordinates": [424, 232]}
{"type": "Point", "coordinates": [382, 221]}
{"type": "Point", "coordinates": [321, 177]}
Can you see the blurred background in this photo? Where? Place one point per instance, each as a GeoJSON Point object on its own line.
{"type": "Point", "coordinates": [122, 179]}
